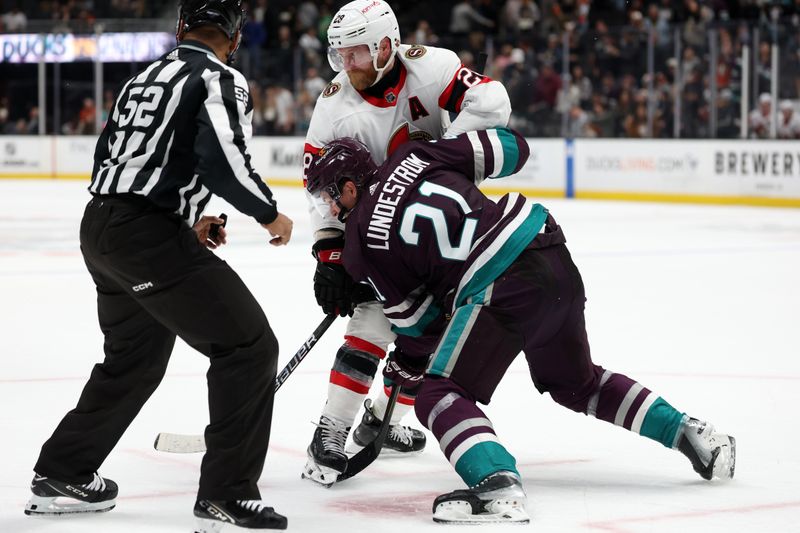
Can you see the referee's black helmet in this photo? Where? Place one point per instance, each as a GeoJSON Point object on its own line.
{"type": "Point", "coordinates": [227, 15]}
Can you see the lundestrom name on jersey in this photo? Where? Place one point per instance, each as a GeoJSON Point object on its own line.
{"type": "Point", "coordinates": [392, 191]}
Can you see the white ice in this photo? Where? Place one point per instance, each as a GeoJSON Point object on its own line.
{"type": "Point", "coordinates": [698, 303]}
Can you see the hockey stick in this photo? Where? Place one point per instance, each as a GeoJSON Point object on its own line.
{"type": "Point", "coordinates": [365, 457]}
{"type": "Point", "coordinates": [178, 443]}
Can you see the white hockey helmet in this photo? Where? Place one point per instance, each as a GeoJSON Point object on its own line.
{"type": "Point", "coordinates": [362, 22]}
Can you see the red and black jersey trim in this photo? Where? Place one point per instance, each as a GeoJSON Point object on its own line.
{"type": "Point", "coordinates": [391, 94]}
{"type": "Point", "coordinates": [463, 80]}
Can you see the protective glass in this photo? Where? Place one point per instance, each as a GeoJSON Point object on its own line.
{"type": "Point", "coordinates": [349, 58]}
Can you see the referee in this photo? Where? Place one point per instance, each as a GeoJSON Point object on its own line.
{"type": "Point", "coordinates": [177, 134]}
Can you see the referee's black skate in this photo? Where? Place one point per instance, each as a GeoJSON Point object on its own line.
{"type": "Point", "coordinates": [53, 497]}
{"type": "Point", "coordinates": [499, 498]}
{"type": "Point", "coordinates": [214, 515]}
{"type": "Point", "coordinates": [401, 440]}
{"type": "Point", "coordinates": [326, 457]}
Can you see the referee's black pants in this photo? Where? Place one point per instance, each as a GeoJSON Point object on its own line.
{"type": "Point", "coordinates": [155, 281]}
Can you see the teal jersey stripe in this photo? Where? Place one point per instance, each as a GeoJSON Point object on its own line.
{"type": "Point", "coordinates": [455, 330]}
{"type": "Point", "coordinates": [510, 152]}
{"type": "Point", "coordinates": [484, 459]}
{"type": "Point", "coordinates": [419, 328]}
{"type": "Point", "coordinates": [508, 252]}
{"type": "Point", "coordinates": [662, 423]}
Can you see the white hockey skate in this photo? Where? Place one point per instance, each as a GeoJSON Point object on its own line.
{"type": "Point", "coordinates": [326, 457]}
{"type": "Point", "coordinates": [713, 455]}
{"type": "Point", "coordinates": [53, 497]}
{"type": "Point", "coordinates": [499, 498]}
{"type": "Point", "coordinates": [213, 516]}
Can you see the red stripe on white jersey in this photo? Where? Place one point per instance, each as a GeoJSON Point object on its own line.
{"type": "Point", "coordinates": [346, 382]}
{"type": "Point", "coordinates": [363, 346]}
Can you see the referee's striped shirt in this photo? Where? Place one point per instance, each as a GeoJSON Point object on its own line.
{"type": "Point", "coordinates": [178, 133]}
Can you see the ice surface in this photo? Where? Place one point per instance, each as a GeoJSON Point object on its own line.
{"type": "Point", "coordinates": [698, 303]}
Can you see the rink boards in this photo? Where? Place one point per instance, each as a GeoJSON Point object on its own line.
{"type": "Point", "coordinates": [697, 171]}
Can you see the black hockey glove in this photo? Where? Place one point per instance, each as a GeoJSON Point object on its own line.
{"type": "Point", "coordinates": [404, 370]}
{"type": "Point", "coordinates": [332, 285]}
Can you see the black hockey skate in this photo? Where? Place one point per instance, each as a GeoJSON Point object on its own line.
{"type": "Point", "coordinates": [213, 515]}
{"type": "Point", "coordinates": [401, 440]}
{"type": "Point", "coordinates": [53, 497]}
{"type": "Point", "coordinates": [326, 457]}
{"type": "Point", "coordinates": [498, 498]}
{"type": "Point", "coordinates": [713, 455]}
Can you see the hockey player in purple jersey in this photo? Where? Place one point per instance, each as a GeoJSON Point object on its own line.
{"type": "Point", "coordinates": [467, 284]}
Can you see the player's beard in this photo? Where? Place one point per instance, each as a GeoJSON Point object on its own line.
{"type": "Point", "coordinates": [361, 79]}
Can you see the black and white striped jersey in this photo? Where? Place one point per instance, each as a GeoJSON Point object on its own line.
{"type": "Point", "coordinates": [178, 133]}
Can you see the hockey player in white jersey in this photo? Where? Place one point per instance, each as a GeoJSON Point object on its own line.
{"type": "Point", "coordinates": [385, 94]}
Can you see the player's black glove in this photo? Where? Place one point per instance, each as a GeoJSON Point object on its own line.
{"type": "Point", "coordinates": [332, 285]}
{"type": "Point", "coordinates": [404, 370]}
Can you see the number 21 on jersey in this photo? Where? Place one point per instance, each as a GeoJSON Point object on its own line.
{"type": "Point", "coordinates": [435, 215]}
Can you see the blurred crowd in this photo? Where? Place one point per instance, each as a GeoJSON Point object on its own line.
{"type": "Point", "coordinates": [578, 68]}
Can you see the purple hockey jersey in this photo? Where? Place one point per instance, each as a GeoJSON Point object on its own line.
{"type": "Point", "coordinates": [427, 239]}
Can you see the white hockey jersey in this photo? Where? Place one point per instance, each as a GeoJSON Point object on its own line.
{"type": "Point", "coordinates": [432, 84]}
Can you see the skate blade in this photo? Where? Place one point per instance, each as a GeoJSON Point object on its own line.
{"type": "Point", "coordinates": [725, 465]}
{"type": "Point", "coordinates": [456, 512]}
{"type": "Point", "coordinates": [207, 525]}
{"type": "Point", "coordinates": [386, 453]}
{"type": "Point", "coordinates": [320, 474]}
{"type": "Point", "coordinates": [49, 506]}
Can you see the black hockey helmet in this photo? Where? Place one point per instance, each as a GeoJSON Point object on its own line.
{"type": "Point", "coordinates": [227, 15]}
{"type": "Point", "coordinates": [339, 161]}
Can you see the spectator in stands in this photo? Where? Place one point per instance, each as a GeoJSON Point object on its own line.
{"type": "Point", "coordinates": [314, 84]}
{"type": "Point", "coordinates": [254, 36]}
{"type": "Point", "coordinates": [788, 121]}
{"type": "Point", "coordinates": [86, 118]}
{"type": "Point", "coordinates": [603, 119]}
{"type": "Point", "coordinates": [464, 18]}
{"type": "Point", "coordinates": [583, 86]}
{"type": "Point", "coordinates": [108, 105]}
{"type": "Point", "coordinates": [760, 119]}
{"type": "Point", "coordinates": [15, 20]}
{"type": "Point", "coordinates": [4, 112]}
{"type": "Point", "coordinates": [283, 54]}
{"type": "Point", "coordinates": [636, 124]}
{"type": "Point", "coordinates": [579, 123]}
{"type": "Point", "coordinates": [764, 65]}
{"type": "Point", "coordinates": [32, 124]}
{"type": "Point", "coordinates": [311, 45]}
{"type": "Point", "coordinates": [424, 34]}
{"type": "Point", "coordinates": [283, 102]}
{"type": "Point", "coordinates": [270, 112]}
{"type": "Point", "coordinates": [548, 86]}
{"type": "Point", "coordinates": [500, 61]}
{"type": "Point", "coordinates": [306, 18]}
{"type": "Point", "coordinates": [519, 17]}
{"type": "Point", "coordinates": [728, 123]}
{"type": "Point", "coordinates": [305, 108]}
{"type": "Point", "coordinates": [257, 94]}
